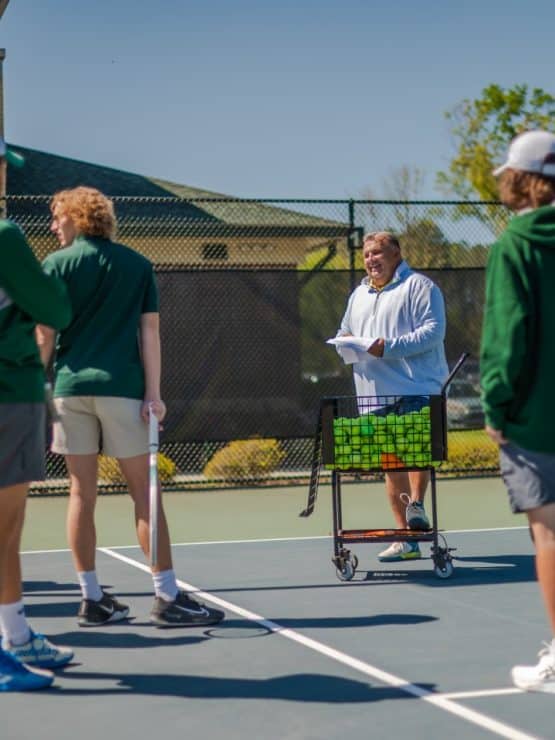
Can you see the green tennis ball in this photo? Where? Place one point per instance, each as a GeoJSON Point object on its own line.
{"type": "Point", "coordinates": [402, 444]}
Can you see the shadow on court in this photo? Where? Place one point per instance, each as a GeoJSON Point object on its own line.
{"type": "Point", "coordinates": [54, 609]}
{"type": "Point", "coordinates": [300, 687]}
{"type": "Point", "coordinates": [65, 608]}
{"type": "Point", "coordinates": [109, 639]}
{"type": "Point", "coordinates": [374, 620]}
{"type": "Point", "coordinates": [36, 587]}
{"type": "Point", "coordinates": [481, 570]}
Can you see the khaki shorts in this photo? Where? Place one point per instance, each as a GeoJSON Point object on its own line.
{"type": "Point", "coordinates": [91, 424]}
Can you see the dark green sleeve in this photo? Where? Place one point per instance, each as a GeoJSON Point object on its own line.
{"type": "Point", "coordinates": [505, 343]}
{"type": "Point", "coordinates": [150, 302]}
{"type": "Point", "coordinates": [43, 297]}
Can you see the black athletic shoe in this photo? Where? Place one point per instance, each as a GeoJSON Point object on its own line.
{"type": "Point", "coordinates": [95, 613]}
{"type": "Point", "coordinates": [183, 612]}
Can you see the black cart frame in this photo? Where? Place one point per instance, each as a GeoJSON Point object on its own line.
{"type": "Point", "coordinates": [381, 434]}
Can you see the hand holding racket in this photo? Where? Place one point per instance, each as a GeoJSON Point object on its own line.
{"type": "Point", "coordinates": [157, 407]}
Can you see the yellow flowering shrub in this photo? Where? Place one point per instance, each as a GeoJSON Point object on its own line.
{"type": "Point", "coordinates": [245, 458]}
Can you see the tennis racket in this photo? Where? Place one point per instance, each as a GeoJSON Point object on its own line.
{"type": "Point", "coordinates": [153, 444]}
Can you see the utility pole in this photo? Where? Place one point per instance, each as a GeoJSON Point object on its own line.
{"type": "Point", "coordinates": [3, 6]}
{"type": "Point", "coordinates": [3, 166]}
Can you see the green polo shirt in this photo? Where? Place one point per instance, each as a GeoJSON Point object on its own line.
{"type": "Point", "coordinates": [27, 296]}
{"type": "Point", "coordinates": [110, 286]}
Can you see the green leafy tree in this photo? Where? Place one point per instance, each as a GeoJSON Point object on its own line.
{"type": "Point", "coordinates": [402, 186]}
{"type": "Point", "coordinates": [424, 244]}
{"type": "Point", "coordinates": [482, 130]}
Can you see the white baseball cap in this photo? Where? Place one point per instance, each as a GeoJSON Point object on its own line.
{"type": "Point", "coordinates": [10, 156]}
{"type": "Point", "coordinates": [533, 151]}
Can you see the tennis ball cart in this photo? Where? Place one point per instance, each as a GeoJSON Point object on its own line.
{"type": "Point", "coordinates": [379, 434]}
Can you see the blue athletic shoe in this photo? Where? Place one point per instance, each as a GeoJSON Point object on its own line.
{"type": "Point", "coordinates": [39, 652]}
{"type": "Point", "coordinates": [14, 676]}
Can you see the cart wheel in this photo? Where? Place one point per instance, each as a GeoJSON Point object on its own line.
{"type": "Point", "coordinates": [445, 570]}
{"type": "Point", "coordinates": [347, 572]}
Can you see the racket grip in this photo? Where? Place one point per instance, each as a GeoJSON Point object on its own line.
{"type": "Point", "coordinates": [153, 485]}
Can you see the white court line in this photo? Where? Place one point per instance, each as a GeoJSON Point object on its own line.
{"type": "Point", "coordinates": [43, 552]}
{"type": "Point", "coordinates": [490, 529]}
{"type": "Point", "coordinates": [193, 544]}
{"type": "Point", "coordinates": [438, 700]}
{"type": "Point", "coordinates": [271, 539]}
{"type": "Point", "coordinates": [480, 694]}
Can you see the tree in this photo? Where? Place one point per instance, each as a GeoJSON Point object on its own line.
{"type": "Point", "coordinates": [482, 130]}
{"type": "Point", "coordinates": [403, 185]}
{"type": "Point", "coordinates": [424, 244]}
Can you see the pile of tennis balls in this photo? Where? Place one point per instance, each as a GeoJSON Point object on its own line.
{"type": "Point", "coordinates": [381, 442]}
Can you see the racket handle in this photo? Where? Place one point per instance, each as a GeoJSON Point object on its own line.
{"type": "Point", "coordinates": [153, 485]}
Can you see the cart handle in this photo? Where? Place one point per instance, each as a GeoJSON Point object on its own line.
{"type": "Point", "coordinates": [454, 371]}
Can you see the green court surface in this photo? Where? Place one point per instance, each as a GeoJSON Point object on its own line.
{"type": "Point", "coordinates": [202, 516]}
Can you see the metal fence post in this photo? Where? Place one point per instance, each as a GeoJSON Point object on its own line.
{"type": "Point", "coordinates": [352, 244]}
{"type": "Point", "coordinates": [3, 164]}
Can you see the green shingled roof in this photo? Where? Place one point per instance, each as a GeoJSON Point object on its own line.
{"type": "Point", "coordinates": [46, 173]}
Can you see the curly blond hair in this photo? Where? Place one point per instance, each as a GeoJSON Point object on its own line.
{"type": "Point", "coordinates": [90, 210]}
{"type": "Point", "coordinates": [519, 189]}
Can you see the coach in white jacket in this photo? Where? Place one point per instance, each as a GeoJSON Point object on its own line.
{"type": "Point", "coordinates": [403, 314]}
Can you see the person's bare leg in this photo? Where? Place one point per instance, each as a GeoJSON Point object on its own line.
{"type": "Point", "coordinates": [542, 522]}
{"type": "Point", "coordinates": [81, 529]}
{"type": "Point", "coordinates": [135, 472]}
{"type": "Point", "coordinates": [12, 514]}
{"type": "Point", "coordinates": [396, 484]}
{"type": "Point", "coordinates": [419, 480]}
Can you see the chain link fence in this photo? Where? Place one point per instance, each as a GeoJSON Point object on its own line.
{"type": "Point", "coordinates": [249, 292]}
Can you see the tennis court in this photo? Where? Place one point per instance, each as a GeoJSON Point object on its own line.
{"type": "Point", "coordinates": [395, 652]}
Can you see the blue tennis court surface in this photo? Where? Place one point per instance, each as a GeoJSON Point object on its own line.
{"type": "Point", "coordinates": [396, 652]}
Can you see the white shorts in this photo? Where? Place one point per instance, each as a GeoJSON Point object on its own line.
{"type": "Point", "coordinates": [91, 424]}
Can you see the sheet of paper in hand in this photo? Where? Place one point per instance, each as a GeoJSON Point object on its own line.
{"type": "Point", "coordinates": [352, 349]}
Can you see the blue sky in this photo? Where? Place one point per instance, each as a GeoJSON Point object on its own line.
{"type": "Point", "coordinates": [304, 99]}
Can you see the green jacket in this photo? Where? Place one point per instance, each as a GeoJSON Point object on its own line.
{"type": "Point", "coordinates": [517, 359]}
{"type": "Point", "coordinates": [27, 297]}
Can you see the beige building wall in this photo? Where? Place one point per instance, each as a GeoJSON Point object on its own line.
{"type": "Point", "coordinates": [215, 252]}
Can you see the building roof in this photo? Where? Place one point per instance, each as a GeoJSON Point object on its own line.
{"type": "Point", "coordinates": [141, 197]}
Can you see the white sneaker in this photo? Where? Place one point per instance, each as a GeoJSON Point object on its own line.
{"type": "Point", "coordinates": [415, 514]}
{"type": "Point", "coordinates": [400, 551]}
{"type": "Point", "coordinates": [540, 677]}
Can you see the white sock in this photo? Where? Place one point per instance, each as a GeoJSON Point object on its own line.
{"type": "Point", "coordinates": [14, 624]}
{"type": "Point", "coordinates": [89, 585]}
{"type": "Point", "coordinates": [165, 585]}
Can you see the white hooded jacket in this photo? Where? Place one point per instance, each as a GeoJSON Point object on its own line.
{"type": "Point", "coordinates": [409, 314]}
